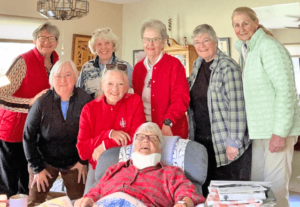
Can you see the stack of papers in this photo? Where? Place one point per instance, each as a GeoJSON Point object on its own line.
{"type": "Point", "coordinates": [238, 193]}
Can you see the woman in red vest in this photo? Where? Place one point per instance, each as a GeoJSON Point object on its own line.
{"type": "Point", "coordinates": [29, 80]}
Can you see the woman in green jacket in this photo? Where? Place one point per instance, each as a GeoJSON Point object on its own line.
{"type": "Point", "coordinates": [271, 102]}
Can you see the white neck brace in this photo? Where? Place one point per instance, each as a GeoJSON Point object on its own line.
{"type": "Point", "coordinates": [142, 161]}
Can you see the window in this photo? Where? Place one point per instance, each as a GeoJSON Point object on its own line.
{"type": "Point", "coordinates": [15, 37]}
{"type": "Point", "coordinates": [11, 50]}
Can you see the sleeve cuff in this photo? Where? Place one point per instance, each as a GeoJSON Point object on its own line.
{"type": "Point", "coordinates": [109, 135]}
{"type": "Point", "coordinates": [103, 145]}
{"type": "Point", "coordinates": [232, 144]}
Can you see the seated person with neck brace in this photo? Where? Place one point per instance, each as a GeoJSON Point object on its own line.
{"type": "Point", "coordinates": [145, 177]}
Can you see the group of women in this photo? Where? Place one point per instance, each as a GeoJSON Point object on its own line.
{"type": "Point", "coordinates": [79, 118]}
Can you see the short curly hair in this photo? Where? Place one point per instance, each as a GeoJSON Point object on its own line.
{"type": "Point", "coordinates": [105, 33]}
{"type": "Point", "coordinates": [52, 29]}
{"type": "Point", "coordinates": [157, 25]}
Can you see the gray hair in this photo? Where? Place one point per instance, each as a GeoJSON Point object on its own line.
{"type": "Point", "coordinates": [205, 29]}
{"type": "Point", "coordinates": [58, 66]}
{"type": "Point", "coordinates": [51, 29]}
{"type": "Point", "coordinates": [150, 127]}
{"type": "Point", "coordinates": [157, 25]}
{"type": "Point", "coordinates": [100, 33]}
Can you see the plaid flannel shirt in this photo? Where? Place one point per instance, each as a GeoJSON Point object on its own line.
{"type": "Point", "coordinates": [226, 107]}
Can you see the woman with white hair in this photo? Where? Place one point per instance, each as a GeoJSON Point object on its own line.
{"type": "Point", "coordinates": [144, 177]}
{"type": "Point", "coordinates": [160, 80]}
{"type": "Point", "coordinates": [104, 43]}
{"type": "Point", "coordinates": [50, 136]}
{"type": "Point", "coordinates": [111, 120]}
{"type": "Point", "coordinates": [217, 116]}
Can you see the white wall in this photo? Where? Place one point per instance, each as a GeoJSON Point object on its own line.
{"type": "Point", "coordinates": [186, 15]}
{"type": "Point", "coordinates": [101, 15]}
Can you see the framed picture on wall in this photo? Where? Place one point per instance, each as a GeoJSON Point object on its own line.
{"type": "Point", "coordinates": [137, 56]}
{"type": "Point", "coordinates": [80, 51]}
{"type": "Point", "coordinates": [224, 45]}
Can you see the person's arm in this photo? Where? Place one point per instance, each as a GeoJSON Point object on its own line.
{"type": "Point", "coordinates": [236, 112]}
{"type": "Point", "coordinates": [86, 143]}
{"type": "Point", "coordinates": [129, 73]}
{"type": "Point", "coordinates": [279, 69]}
{"type": "Point", "coordinates": [16, 73]}
{"type": "Point", "coordinates": [138, 119]}
{"type": "Point", "coordinates": [80, 83]}
{"type": "Point", "coordinates": [179, 97]}
{"type": "Point", "coordinates": [30, 138]}
{"type": "Point", "coordinates": [182, 189]}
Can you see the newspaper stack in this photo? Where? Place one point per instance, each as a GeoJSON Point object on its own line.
{"type": "Point", "coordinates": [239, 193]}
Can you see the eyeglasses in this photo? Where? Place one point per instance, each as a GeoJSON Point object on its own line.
{"type": "Point", "coordinates": [141, 137]}
{"type": "Point", "coordinates": [147, 40]}
{"type": "Point", "coordinates": [120, 65]}
{"type": "Point", "coordinates": [59, 77]}
{"type": "Point", "coordinates": [204, 42]}
{"type": "Point", "coordinates": [50, 39]}
{"type": "Point", "coordinates": [105, 31]}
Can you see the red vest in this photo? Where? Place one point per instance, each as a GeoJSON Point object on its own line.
{"type": "Point", "coordinates": [35, 80]}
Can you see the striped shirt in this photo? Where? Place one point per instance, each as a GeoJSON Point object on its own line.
{"type": "Point", "coordinates": [157, 186]}
{"type": "Point", "coordinates": [226, 106]}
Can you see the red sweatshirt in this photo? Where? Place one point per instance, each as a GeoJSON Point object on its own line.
{"type": "Point", "coordinates": [97, 119]}
{"type": "Point", "coordinates": [170, 96]}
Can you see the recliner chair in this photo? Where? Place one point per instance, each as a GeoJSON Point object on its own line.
{"type": "Point", "coordinates": [193, 156]}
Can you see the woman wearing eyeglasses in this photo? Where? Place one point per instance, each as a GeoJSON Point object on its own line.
{"type": "Point", "coordinates": [160, 80]}
{"type": "Point", "coordinates": [217, 117]}
{"type": "Point", "coordinates": [109, 121]}
{"type": "Point", "coordinates": [104, 43]}
{"type": "Point", "coordinates": [50, 136]}
{"type": "Point", "coordinates": [28, 75]}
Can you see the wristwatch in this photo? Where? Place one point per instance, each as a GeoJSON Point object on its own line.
{"type": "Point", "coordinates": [168, 122]}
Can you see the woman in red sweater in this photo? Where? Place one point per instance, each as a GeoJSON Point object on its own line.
{"type": "Point", "coordinates": [160, 80]}
{"type": "Point", "coordinates": [109, 121]}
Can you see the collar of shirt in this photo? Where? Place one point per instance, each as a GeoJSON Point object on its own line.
{"type": "Point", "coordinates": [146, 61]}
{"type": "Point", "coordinates": [159, 165]}
{"type": "Point", "coordinates": [98, 64]}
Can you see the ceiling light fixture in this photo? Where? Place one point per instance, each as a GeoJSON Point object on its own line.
{"type": "Point", "coordinates": [63, 9]}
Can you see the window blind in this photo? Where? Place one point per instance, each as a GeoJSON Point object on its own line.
{"type": "Point", "coordinates": [18, 27]}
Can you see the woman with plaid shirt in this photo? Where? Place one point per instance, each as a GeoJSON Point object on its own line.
{"type": "Point", "coordinates": [217, 114]}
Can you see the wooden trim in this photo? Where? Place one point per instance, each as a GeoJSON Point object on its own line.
{"type": "Point", "coordinates": [23, 17]}
{"type": "Point", "coordinates": [16, 41]}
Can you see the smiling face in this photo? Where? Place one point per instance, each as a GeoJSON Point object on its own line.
{"type": "Point", "coordinates": [244, 27]}
{"type": "Point", "coordinates": [104, 49]}
{"type": "Point", "coordinates": [147, 147]}
{"type": "Point", "coordinates": [45, 48]}
{"type": "Point", "coordinates": [114, 86]}
{"type": "Point", "coordinates": [64, 81]}
{"type": "Point", "coordinates": [151, 49]}
{"type": "Point", "coordinates": [205, 48]}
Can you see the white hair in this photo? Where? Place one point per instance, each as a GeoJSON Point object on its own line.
{"type": "Point", "coordinates": [98, 34]}
{"type": "Point", "coordinates": [58, 66]}
{"type": "Point", "coordinates": [150, 127]}
{"type": "Point", "coordinates": [205, 29]}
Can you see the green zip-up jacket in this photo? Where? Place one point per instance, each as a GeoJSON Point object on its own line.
{"type": "Point", "coordinates": [269, 88]}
